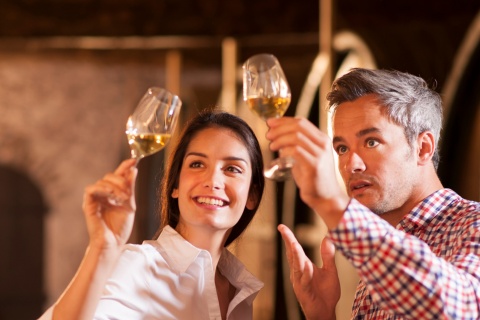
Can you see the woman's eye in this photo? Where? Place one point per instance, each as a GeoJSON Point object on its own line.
{"type": "Point", "coordinates": [371, 143]}
{"type": "Point", "coordinates": [341, 150]}
{"type": "Point", "coordinates": [234, 169]}
{"type": "Point", "coordinates": [195, 164]}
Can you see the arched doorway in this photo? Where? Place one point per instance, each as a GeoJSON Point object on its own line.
{"type": "Point", "coordinates": [22, 210]}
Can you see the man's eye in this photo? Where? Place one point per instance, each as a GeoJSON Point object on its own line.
{"type": "Point", "coordinates": [341, 150]}
{"type": "Point", "coordinates": [371, 143]}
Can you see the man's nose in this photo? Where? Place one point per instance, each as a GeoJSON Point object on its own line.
{"type": "Point", "coordinates": [354, 163]}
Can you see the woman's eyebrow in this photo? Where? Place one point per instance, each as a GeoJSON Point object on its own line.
{"type": "Point", "coordinates": [199, 154]}
{"type": "Point", "coordinates": [236, 159]}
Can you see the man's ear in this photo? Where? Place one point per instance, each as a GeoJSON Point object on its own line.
{"type": "Point", "coordinates": [175, 193]}
{"type": "Point", "coordinates": [426, 147]}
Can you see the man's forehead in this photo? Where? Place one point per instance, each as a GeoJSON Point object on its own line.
{"type": "Point", "coordinates": [367, 115]}
{"type": "Point", "coordinates": [350, 113]}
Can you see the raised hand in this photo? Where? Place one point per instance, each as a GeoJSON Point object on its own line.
{"type": "Point", "coordinates": [317, 289]}
{"type": "Point", "coordinates": [109, 207]}
{"type": "Point", "coordinates": [314, 170]}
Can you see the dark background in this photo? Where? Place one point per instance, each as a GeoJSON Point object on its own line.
{"type": "Point", "coordinates": [416, 36]}
{"type": "Point", "coordinates": [419, 37]}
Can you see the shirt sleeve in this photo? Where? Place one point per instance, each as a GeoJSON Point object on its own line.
{"type": "Point", "coordinates": [401, 272]}
{"type": "Point", "coordinates": [126, 291]}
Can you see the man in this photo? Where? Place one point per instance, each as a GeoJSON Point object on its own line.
{"type": "Point", "coordinates": [414, 244]}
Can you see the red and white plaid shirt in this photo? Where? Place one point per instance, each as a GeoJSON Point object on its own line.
{"type": "Point", "coordinates": [428, 267]}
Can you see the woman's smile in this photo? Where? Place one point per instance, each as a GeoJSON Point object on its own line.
{"type": "Point", "coordinates": [214, 183]}
{"type": "Point", "coordinates": [209, 201]}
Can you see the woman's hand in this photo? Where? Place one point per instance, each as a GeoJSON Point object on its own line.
{"type": "Point", "coordinates": [109, 207]}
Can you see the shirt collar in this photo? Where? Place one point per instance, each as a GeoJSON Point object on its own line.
{"type": "Point", "coordinates": [234, 270]}
{"type": "Point", "coordinates": [430, 207]}
{"type": "Point", "coordinates": [180, 254]}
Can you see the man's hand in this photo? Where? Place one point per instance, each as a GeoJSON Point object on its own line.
{"type": "Point", "coordinates": [314, 169]}
{"type": "Point", "coordinates": [317, 289]}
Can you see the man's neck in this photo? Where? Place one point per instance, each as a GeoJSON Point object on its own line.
{"type": "Point", "coordinates": [428, 185]}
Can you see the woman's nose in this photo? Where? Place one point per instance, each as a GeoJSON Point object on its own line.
{"type": "Point", "coordinates": [213, 179]}
{"type": "Point", "coordinates": [355, 163]}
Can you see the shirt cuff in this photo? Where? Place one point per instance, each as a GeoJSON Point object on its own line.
{"type": "Point", "coordinates": [359, 233]}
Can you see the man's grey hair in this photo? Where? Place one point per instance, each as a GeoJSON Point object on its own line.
{"type": "Point", "coordinates": [408, 100]}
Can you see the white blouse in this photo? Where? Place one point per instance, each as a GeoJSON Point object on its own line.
{"type": "Point", "coordinates": [169, 278]}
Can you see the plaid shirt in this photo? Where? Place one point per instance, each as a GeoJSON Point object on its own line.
{"type": "Point", "coordinates": [428, 267]}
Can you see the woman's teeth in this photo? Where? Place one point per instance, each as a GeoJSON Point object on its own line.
{"type": "Point", "coordinates": [210, 201]}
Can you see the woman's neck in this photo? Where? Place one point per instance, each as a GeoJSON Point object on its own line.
{"type": "Point", "coordinates": [204, 238]}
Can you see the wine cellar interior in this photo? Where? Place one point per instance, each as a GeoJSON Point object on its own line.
{"type": "Point", "coordinates": [72, 71]}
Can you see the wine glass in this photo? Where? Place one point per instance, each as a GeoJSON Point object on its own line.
{"type": "Point", "coordinates": [267, 94]}
{"type": "Point", "coordinates": [151, 125]}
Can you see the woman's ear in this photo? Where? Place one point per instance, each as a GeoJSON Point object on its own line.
{"type": "Point", "coordinates": [252, 200]}
{"type": "Point", "coordinates": [175, 193]}
{"type": "Point", "coordinates": [426, 147]}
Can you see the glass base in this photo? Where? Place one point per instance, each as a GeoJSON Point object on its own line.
{"type": "Point", "coordinates": [280, 169]}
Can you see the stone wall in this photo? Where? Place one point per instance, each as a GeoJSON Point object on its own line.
{"type": "Point", "coordinates": [62, 123]}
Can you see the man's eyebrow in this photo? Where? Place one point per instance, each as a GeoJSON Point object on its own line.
{"type": "Point", "coordinates": [364, 132]}
{"type": "Point", "coordinates": [337, 139]}
{"type": "Point", "coordinates": [361, 133]}
{"type": "Point", "coordinates": [199, 154]}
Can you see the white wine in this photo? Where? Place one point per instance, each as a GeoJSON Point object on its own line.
{"type": "Point", "coordinates": [268, 107]}
{"type": "Point", "coordinates": [142, 145]}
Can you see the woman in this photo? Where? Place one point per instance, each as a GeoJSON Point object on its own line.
{"type": "Point", "coordinates": [210, 192]}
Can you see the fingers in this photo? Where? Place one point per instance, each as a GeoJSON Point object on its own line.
{"type": "Point", "coordinates": [287, 130]}
{"type": "Point", "coordinates": [327, 252]}
{"type": "Point", "coordinates": [298, 138]}
{"type": "Point", "coordinates": [297, 260]}
{"type": "Point", "coordinates": [125, 167]}
{"type": "Point", "coordinates": [132, 178]}
{"type": "Point", "coordinates": [109, 187]}
{"type": "Point", "coordinates": [117, 187]}
{"type": "Point", "coordinates": [288, 238]}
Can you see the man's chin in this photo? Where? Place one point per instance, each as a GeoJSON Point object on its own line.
{"type": "Point", "coordinates": [367, 201]}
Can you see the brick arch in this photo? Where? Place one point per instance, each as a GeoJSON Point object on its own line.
{"type": "Point", "coordinates": [460, 146]}
{"type": "Point", "coordinates": [22, 211]}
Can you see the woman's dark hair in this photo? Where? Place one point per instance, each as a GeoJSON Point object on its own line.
{"type": "Point", "coordinates": [169, 211]}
